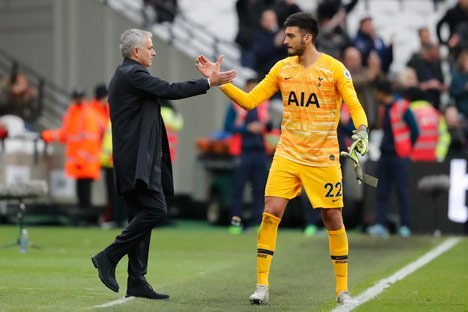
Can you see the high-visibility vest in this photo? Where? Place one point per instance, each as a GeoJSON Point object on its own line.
{"type": "Point", "coordinates": [173, 122]}
{"type": "Point", "coordinates": [81, 132]}
{"type": "Point", "coordinates": [433, 140]}
{"type": "Point", "coordinates": [400, 130]}
{"type": "Point", "coordinates": [236, 139]}
{"type": "Point", "coordinates": [106, 150]}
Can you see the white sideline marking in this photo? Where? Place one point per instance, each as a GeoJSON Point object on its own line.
{"type": "Point", "coordinates": [372, 292]}
{"type": "Point", "coordinates": [115, 302]}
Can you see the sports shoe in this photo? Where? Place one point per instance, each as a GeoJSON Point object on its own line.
{"type": "Point", "coordinates": [310, 230]}
{"type": "Point", "coordinates": [345, 298]}
{"type": "Point", "coordinates": [404, 231]}
{"type": "Point", "coordinates": [378, 230]}
{"type": "Point", "coordinates": [235, 230]}
{"type": "Point", "coordinates": [260, 296]}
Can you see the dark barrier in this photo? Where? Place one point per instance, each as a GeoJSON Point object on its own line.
{"type": "Point", "coordinates": [429, 210]}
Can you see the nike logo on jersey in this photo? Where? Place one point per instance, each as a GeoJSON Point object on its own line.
{"type": "Point", "coordinates": [287, 78]}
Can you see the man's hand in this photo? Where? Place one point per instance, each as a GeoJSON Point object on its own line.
{"type": "Point", "coordinates": [361, 138]}
{"type": "Point", "coordinates": [213, 72]}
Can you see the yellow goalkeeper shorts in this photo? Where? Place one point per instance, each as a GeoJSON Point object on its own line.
{"type": "Point", "coordinates": [323, 185]}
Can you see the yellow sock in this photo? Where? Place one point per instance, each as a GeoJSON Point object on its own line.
{"type": "Point", "coordinates": [338, 242]}
{"type": "Point", "coordinates": [266, 244]}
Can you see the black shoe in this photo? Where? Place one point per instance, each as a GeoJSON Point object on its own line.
{"type": "Point", "coordinates": [145, 291]}
{"type": "Point", "coordinates": [106, 270]}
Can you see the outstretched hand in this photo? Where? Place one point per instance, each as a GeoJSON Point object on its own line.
{"type": "Point", "coordinates": [213, 72]}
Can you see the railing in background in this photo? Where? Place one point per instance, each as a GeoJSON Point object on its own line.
{"type": "Point", "coordinates": [402, 3]}
{"type": "Point", "coordinates": [54, 100]}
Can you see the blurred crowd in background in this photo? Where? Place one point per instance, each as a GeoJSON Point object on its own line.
{"type": "Point", "coordinates": [434, 82]}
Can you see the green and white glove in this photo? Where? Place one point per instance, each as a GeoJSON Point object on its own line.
{"type": "Point", "coordinates": [361, 140]}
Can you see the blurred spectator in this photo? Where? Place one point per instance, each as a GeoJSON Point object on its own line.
{"type": "Point", "coordinates": [327, 9]}
{"type": "Point", "coordinates": [99, 102]}
{"type": "Point", "coordinates": [268, 44]}
{"type": "Point", "coordinates": [82, 130]}
{"type": "Point", "coordinates": [19, 98]}
{"type": "Point", "coordinates": [458, 129]}
{"type": "Point", "coordinates": [173, 122]}
{"type": "Point", "coordinates": [248, 16]}
{"type": "Point", "coordinates": [424, 36]}
{"type": "Point", "coordinates": [115, 216]}
{"type": "Point", "coordinates": [456, 19]}
{"type": "Point", "coordinates": [400, 133]}
{"type": "Point", "coordinates": [249, 148]}
{"type": "Point", "coordinates": [363, 79]}
{"type": "Point", "coordinates": [367, 40]}
{"type": "Point", "coordinates": [332, 38]}
{"type": "Point", "coordinates": [312, 217]}
{"type": "Point", "coordinates": [165, 10]}
{"type": "Point", "coordinates": [429, 72]}
{"type": "Point", "coordinates": [3, 133]}
{"type": "Point", "coordinates": [114, 211]}
{"type": "Point", "coordinates": [434, 138]}
{"type": "Point", "coordinates": [284, 8]}
{"type": "Point", "coordinates": [425, 39]}
{"type": "Point", "coordinates": [459, 84]}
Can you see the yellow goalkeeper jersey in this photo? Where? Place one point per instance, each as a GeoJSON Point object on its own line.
{"type": "Point", "coordinates": [312, 100]}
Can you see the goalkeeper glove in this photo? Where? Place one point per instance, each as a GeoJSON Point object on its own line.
{"type": "Point", "coordinates": [361, 140]}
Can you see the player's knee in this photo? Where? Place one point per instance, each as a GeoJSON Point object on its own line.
{"type": "Point", "coordinates": [332, 218]}
{"type": "Point", "coordinates": [275, 206]}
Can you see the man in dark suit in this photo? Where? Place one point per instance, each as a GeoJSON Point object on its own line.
{"type": "Point", "coordinates": [141, 155]}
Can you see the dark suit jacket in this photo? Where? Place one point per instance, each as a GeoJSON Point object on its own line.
{"type": "Point", "coordinates": [140, 146]}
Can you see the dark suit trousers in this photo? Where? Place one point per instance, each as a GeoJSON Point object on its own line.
{"type": "Point", "coordinates": [146, 208]}
{"type": "Point", "coordinates": [393, 170]}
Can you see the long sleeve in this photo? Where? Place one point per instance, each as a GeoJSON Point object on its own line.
{"type": "Point", "coordinates": [412, 124]}
{"type": "Point", "coordinates": [345, 86]}
{"type": "Point", "coordinates": [142, 80]}
{"type": "Point", "coordinates": [263, 91]}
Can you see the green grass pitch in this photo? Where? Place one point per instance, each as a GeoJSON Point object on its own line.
{"type": "Point", "coordinates": [204, 268]}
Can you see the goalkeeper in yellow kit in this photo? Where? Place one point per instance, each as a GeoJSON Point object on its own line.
{"type": "Point", "coordinates": [313, 86]}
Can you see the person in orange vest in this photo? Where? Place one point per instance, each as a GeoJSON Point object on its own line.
{"type": "Point", "coordinates": [99, 102]}
{"type": "Point", "coordinates": [248, 146]}
{"type": "Point", "coordinates": [81, 132]}
{"type": "Point", "coordinates": [434, 139]}
{"type": "Point", "coordinates": [174, 122]}
{"type": "Point", "coordinates": [114, 213]}
{"type": "Point", "coordinates": [400, 132]}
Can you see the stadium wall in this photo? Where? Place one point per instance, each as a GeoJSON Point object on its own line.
{"type": "Point", "coordinates": [76, 43]}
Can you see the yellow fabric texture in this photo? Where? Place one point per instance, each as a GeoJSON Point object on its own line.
{"type": "Point", "coordinates": [322, 185]}
{"type": "Point", "coordinates": [338, 243]}
{"type": "Point", "coordinates": [266, 243]}
{"type": "Point", "coordinates": [312, 99]}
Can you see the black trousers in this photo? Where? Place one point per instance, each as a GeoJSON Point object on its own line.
{"type": "Point", "coordinates": [146, 208]}
{"type": "Point", "coordinates": [83, 191]}
{"type": "Point", "coordinates": [116, 202]}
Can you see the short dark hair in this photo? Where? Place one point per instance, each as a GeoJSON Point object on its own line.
{"type": "Point", "coordinates": [305, 21]}
{"type": "Point", "coordinates": [100, 91]}
{"type": "Point", "coordinates": [384, 85]}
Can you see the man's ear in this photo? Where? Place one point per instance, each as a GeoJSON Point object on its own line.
{"type": "Point", "coordinates": [136, 51]}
